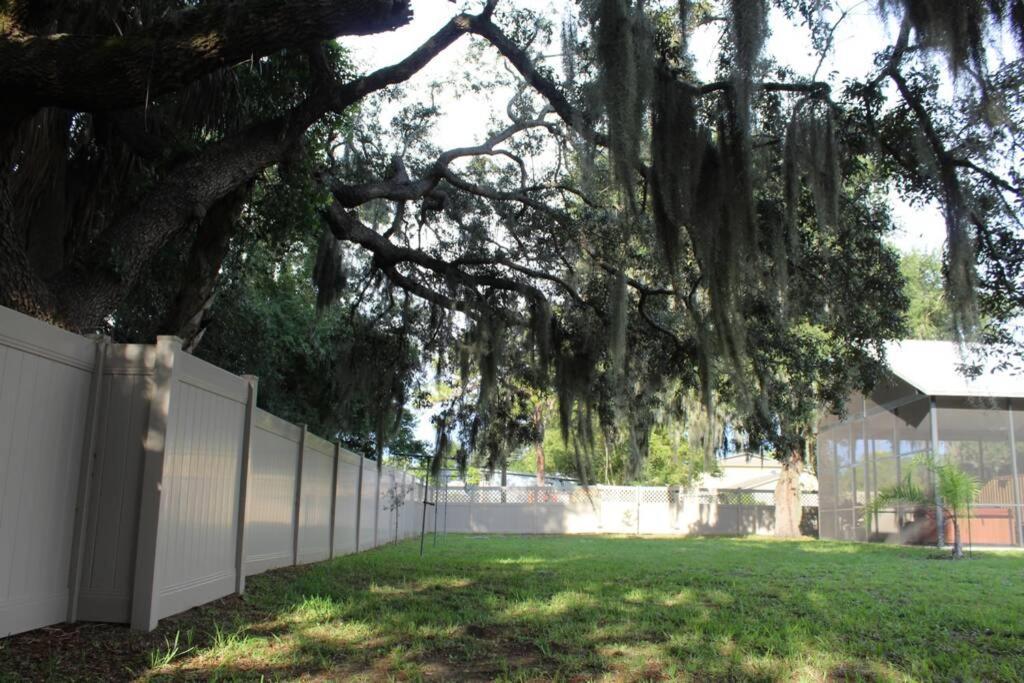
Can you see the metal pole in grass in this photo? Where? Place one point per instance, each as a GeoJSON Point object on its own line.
{"type": "Point", "coordinates": [444, 533]}
{"type": "Point", "coordinates": [423, 523]}
{"type": "Point", "coordinates": [436, 492]}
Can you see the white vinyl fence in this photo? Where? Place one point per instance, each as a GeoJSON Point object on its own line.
{"type": "Point", "coordinates": [137, 481]}
{"type": "Point", "coordinates": [655, 510]}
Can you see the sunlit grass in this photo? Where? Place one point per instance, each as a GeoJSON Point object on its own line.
{"type": "Point", "coordinates": [565, 608]}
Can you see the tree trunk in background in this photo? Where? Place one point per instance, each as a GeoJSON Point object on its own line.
{"type": "Point", "coordinates": [504, 479]}
{"type": "Point", "coordinates": [607, 461]}
{"type": "Point", "coordinates": [20, 286]}
{"type": "Point", "coordinates": [788, 511]}
{"type": "Point", "coordinates": [186, 318]}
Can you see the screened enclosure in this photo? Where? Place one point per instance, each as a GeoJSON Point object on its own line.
{"type": "Point", "coordinates": [925, 406]}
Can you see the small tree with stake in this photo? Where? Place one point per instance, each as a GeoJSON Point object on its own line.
{"type": "Point", "coordinates": [396, 496]}
{"type": "Point", "coordinates": [956, 489]}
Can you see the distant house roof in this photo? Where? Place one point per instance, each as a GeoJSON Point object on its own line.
{"type": "Point", "coordinates": [933, 368]}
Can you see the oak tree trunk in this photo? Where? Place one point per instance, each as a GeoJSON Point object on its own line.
{"type": "Point", "coordinates": [788, 511]}
{"type": "Point", "coordinates": [187, 316]}
{"type": "Point", "coordinates": [20, 287]}
{"type": "Point", "coordinates": [101, 278]}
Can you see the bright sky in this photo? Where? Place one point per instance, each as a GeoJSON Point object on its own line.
{"type": "Point", "coordinates": [466, 115]}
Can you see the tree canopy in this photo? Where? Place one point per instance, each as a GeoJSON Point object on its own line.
{"type": "Point", "coordinates": [632, 235]}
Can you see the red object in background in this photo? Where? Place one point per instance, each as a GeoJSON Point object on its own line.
{"type": "Point", "coordinates": [986, 526]}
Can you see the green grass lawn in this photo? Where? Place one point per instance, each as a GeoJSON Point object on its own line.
{"type": "Point", "coordinates": [581, 608]}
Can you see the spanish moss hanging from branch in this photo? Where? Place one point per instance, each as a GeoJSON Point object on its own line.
{"type": "Point", "coordinates": [622, 40]}
{"type": "Point", "coordinates": [329, 275]}
{"type": "Point", "coordinates": [676, 148]}
{"type": "Point", "coordinates": [959, 29]}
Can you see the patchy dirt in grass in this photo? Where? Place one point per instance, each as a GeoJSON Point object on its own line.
{"type": "Point", "coordinates": [111, 652]}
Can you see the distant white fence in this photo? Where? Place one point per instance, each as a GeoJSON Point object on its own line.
{"type": "Point", "coordinates": [656, 510]}
{"type": "Point", "coordinates": [137, 481]}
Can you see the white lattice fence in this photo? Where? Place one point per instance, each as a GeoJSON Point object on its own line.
{"type": "Point", "coordinates": [658, 510]}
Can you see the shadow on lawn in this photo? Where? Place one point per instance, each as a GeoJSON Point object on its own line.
{"type": "Point", "coordinates": [716, 608]}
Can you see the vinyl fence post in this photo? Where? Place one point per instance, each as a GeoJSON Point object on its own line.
{"type": "Point", "coordinates": [296, 519]}
{"type": "Point", "coordinates": [85, 477]}
{"type": "Point", "coordinates": [334, 497]}
{"type": "Point", "coordinates": [243, 481]}
{"type": "Point", "coordinates": [739, 514]}
{"type": "Point", "coordinates": [146, 581]}
{"type": "Point", "coordinates": [636, 489]}
{"type": "Point", "coordinates": [359, 499]}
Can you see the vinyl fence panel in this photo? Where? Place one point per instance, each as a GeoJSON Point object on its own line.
{"type": "Point", "coordinates": [619, 510]}
{"type": "Point", "coordinates": [368, 506]}
{"type": "Point", "coordinates": [137, 481]}
{"type": "Point", "coordinates": [45, 380]}
{"type": "Point", "coordinates": [385, 524]}
{"type": "Point", "coordinates": [315, 506]}
{"type": "Point", "coordinates": [112, 525]}
{"type": "Point", "coordinates": [199, 501]}
{"type": "Point", "coordinates": [270, 503]}
{"type": "Point", "coordinates": [346, 503]}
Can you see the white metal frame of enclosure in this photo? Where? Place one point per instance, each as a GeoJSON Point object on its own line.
{"type": "Point", "coordinates": [858, 451]}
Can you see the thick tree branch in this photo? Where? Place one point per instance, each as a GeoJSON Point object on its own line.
{"type": "Point", "coordinates": [386, 254]}
{"type": "Point", "coordinates": [102, 72]}
{"type": "Point", "coordinates": [578, 120]}
{"type": "Point", "coordinates": [349, 93]}
{"type": "Point", "coordinates": [400, 188]}
{"type": "Point", "coordinates": [427, 294]}
{"type": "Point", "coordinates": [187, 316]}
{"type": "Point", "coordinates": [88, 289]}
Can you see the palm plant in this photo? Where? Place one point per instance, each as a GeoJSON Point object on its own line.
{"type": "Point", "coordinates": [956, 489]}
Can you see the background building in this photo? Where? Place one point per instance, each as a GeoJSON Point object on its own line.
{"type": "Point", "coordinates": [750, 472]}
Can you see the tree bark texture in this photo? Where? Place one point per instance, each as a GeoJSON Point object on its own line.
{"type": "Point", "coordinates": [96, 281]}
{"type": "Point", "coordinates": [102, 72]}
{"type": "Point", "coordinates": [186, 317]}
{"type": "Point", "coordinates": [89, 289]}
{"type": "Point", "coordinates": [788, 511]}
{"type": "Point", "coordinates": [20, 287]}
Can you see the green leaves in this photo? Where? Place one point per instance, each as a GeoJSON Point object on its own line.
{"type": "Point", "coordinates": [955, 488]}
{"type": "Point", "coordinates": [904, 492]}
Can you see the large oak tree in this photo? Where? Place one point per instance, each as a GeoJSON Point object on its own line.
{"type": "Point", "coordinates": [641, 230]}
